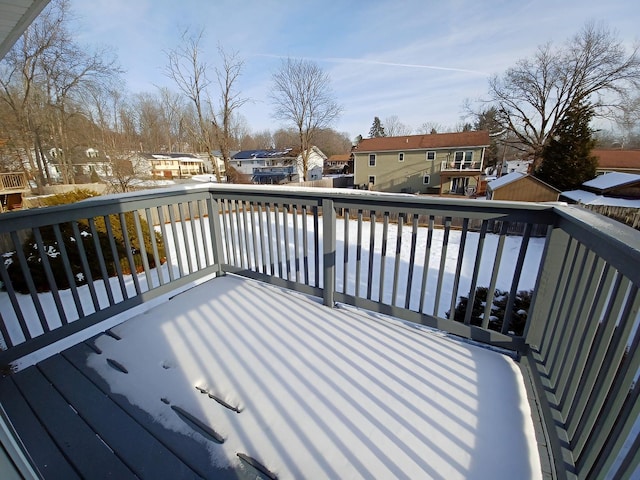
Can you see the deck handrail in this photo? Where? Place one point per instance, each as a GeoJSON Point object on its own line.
{"type": "Point", "coordinates": [13, 181]}
{"type": "Point", "coordinates": [413, 257]}
{"type": "Point", "coordinates": [468, 165]}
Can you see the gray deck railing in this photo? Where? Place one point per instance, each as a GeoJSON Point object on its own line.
{"type": "Point", "coordinates": [402, 255]}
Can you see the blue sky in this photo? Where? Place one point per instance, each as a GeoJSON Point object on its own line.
{"type": "Point", "coordinates": [418, 60]}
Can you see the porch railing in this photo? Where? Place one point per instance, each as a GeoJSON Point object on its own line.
{"type": "Point", "coordinates": [13, 182]}
{"type": "Point", "coordinates": [461, 166]}
{"type": "Point", "coordinates": [444, 263]}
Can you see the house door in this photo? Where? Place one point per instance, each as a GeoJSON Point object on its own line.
{"type": "Point", "coordinates": [459, 185]}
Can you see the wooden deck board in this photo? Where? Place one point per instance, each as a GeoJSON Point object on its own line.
{"type": "Point", "coordinates": [88, 454]}
{"type": "Point", "coordinates": [192, 453]}
{"type": "Point", "coordinates": [45, 453]}
{"type": "Point", "coordinates": [137, 448]}
{"type": "Point", "coordinates": [74, 427]}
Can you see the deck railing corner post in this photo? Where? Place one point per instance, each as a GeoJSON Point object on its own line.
{"type": "Point", "coordinates": [216, 232]}
{"type": "Point", "coordinates": [328, 251]}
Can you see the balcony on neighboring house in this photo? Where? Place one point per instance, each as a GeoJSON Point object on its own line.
{"type": "Point", "coordinates": [461, 166]}
{"type": "Point", "coordinates": [12, 186]}
{"type": "Point", "coordinates": [318, 333]}
{"type": "Point", "coordinates": [13, 182]}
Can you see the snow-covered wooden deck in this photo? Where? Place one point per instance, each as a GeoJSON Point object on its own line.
{"type": "Point", "coordinates": [235, 368]}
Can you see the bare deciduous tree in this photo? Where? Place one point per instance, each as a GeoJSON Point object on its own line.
{"type": "Point", "coordinates": [627, 119]}
{"type": "Point", "coordinates": [302, 97]}
{"type": "Point", "coordinates": [395, 128]}
{"type": "Point", "coordinates": [430, 127]}
{"type": "Point", "coordinates": [123, 174]}
{"type": "Point", "coordinates": [190, 73]}
{"type": "Point", "coordinates": [229, 102]}
{"type": "Point", "coordinates": [285, 138]}
{"type": "Point", "coordinates": [259, 140]}
{"type": "Point", "coordinates": [534, 96]}
{"type": "Point", "coordinates": [173, 116]}
{"type": "Point", "coordinates": [332, 142]}
{"type": "Point", "coordinates": [45, 80]}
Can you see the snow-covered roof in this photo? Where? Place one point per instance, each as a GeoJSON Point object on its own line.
{"type": "Point", "coordinates": [505, 180]}
{"type": "Point", "coordinates": [612, 180]}
{"type": "Point", "coordinates": [251, 154]}
{"type": "Point", "coordinates": [590, 198]}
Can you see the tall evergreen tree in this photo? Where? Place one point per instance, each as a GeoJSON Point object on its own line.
{"type": "Point", "coordinates": [566, 158]}
{"type": "Point", "coordinates": [487, 120]}
{"type": "Point", "coordinates": [377, 130]}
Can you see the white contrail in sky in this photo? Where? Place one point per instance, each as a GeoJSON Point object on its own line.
{"type": "Point", "coordinates": [379, 62]}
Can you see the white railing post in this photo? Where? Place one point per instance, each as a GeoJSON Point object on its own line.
{"type": "Point", "coordinates": [216, 232]}
{"type": "Point", "coordinates": [328, 251]}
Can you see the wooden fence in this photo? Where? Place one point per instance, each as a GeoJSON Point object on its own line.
{"type": "Point", "coordinates": [627, 215]}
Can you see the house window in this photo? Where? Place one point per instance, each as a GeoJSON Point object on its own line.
{"type": "Point", "coordinates": [372, 159]}
{"type": "Point", "coordinates": [459, 185]}
{"type": "Point", "coordinates": [431, 155]}
{"type": "Point", "coordinates": [426, 179]}
{"type": "Point", "coordinates": [401, 157]}
{"type": "Point", "coordinates": [464, 156]}
{"type": "Point", "coordinates": [372, 179]}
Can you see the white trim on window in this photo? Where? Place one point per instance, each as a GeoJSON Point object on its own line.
{"type": "Point", "coordinates": [372, 159]}
{"type": "Point", "coordinates": [432, 154]}
{"type": "Point", "coordinates": [463, 155]}
{"type": "Point", "coordinates": [426, 179]}
{"type": "Point", "coordinates": [401, 156]}
{"type": "Point", "coordinates": [372, 179]}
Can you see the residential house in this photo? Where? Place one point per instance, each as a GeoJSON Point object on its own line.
{"type": "Point", "coordinates": [84, 163]}
{"type": "Point", "coordinates": [216, 156]}
{"type": "Point", "coordinates": [174, 165]}
{"type": "Point", "coordinates": [340, 163]}
{"type": "Point", "coordinates": [315, 164]}
{"type": "Point", "coordinates": [440, 163]}
{"type": "Point", "coordinates": [516, 165]}
{"type": "Point", "coordinates": [610, 160]}
{"type": "Point", "coordinates": [246, 161]}
{"type": "Point", "coordinates": [250, 161]}
{"type": "Point", "coordinates": [518, 186]}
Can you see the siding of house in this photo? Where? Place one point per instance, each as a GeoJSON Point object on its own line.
{"type": "Point", "coordinates": [525, 189]}
{"type": "Point", "coordinates": [391, 174]}
{"type": "Point", "coordinates": [315, 164]}
{"type": "Point", "coordinates": [171, 168]}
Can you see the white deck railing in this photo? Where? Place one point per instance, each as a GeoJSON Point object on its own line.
{"type": "Point", "coordinates": [461, 166]}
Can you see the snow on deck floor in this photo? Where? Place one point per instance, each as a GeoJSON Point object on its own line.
{"type": "Point", "coordinates": [323, 393]}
